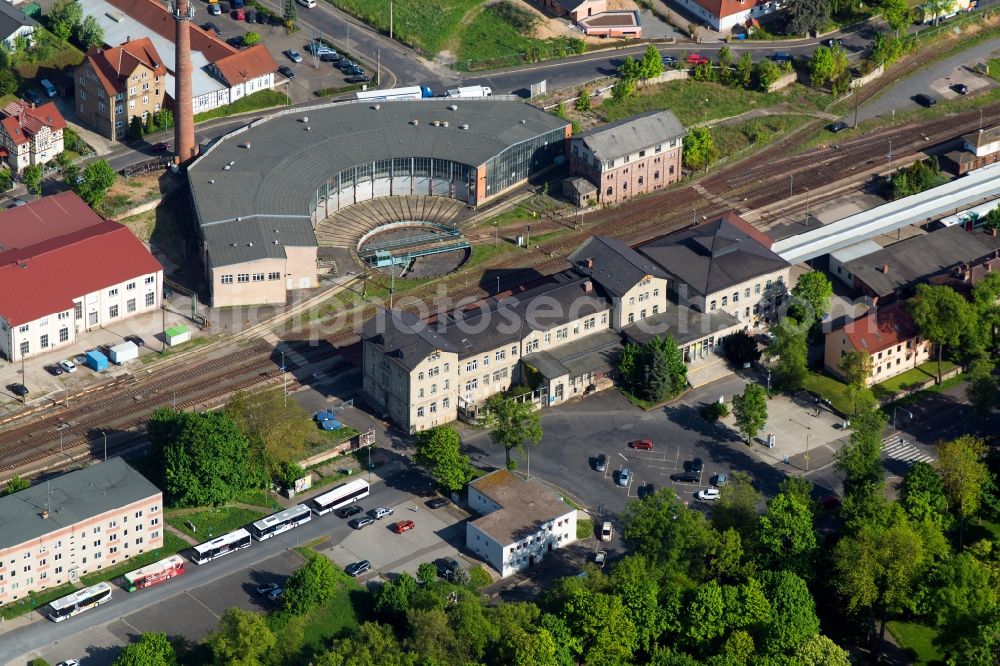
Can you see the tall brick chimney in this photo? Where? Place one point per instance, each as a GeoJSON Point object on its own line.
{"type": "Point", "coordinates": [184, 146]}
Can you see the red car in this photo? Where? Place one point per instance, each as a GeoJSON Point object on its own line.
{"type": "Point", "coordinates": [645, 444]}
{"type": "Point", "coordinates": [161, 147]}
{"type": "Point", "coordinates": [402, 526]}
{"type": "Point", "coordinates": [696, 59]}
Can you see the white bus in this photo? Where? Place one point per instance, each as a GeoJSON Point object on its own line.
{"type": "Point", "coordinates": [280, 522]}
{"type": "Point", "coordinates": [342, 495]}
{"type": "Point", "coordinates": [79, 601]}
{"type": "Point", "coordinates": [154, 573]}
{"type": "Point", "coordinates": [225, 544]}
{"type": "Point", "coordinates": [412, 92]}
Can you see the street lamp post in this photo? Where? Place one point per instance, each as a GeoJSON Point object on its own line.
{"type": "Point", "coordinates": [890, 154]}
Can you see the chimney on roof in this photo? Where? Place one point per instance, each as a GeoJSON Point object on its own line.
{"type": "Point", "coordinates": [885, 268]}
{"type": "Point", "coordinates": [588, 286]}
{"type": "Point", "coordinates": [588, 262]}
{"type": "Point", "coordinates": [45, 514]}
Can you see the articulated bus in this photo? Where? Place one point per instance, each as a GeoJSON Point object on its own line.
{"type": "Point", "coordinates": [280, 522]}
{"type": "Point", "coordinates": [79, 601]}
{"type": "Point", "coordinates": [342, 495]}
{"type": "Point", "coordinates": [154, 573]}
{"type": "Point", "coordinates": [224, 545]}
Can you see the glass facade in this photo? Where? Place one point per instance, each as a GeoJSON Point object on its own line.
{"type": "Point", "coordinates": [523, 159]}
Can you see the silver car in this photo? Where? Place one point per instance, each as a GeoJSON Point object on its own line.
{"type": "Point", "coordinates": [624, 477]}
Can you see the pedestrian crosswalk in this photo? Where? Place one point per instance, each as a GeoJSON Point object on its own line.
{"type": "Point", "coordinates": [897, 448]}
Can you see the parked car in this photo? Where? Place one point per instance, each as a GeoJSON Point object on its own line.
{"type": "Point", "coordinates": [239, 15]}
{"type": "Point", "coordinates": [293, 55]}
{"type": "Point", "coordinates": [267, 588]}
{"type": "Point", "coordinates": [359, 78]}
{"type": "Point", "coordinates": [624, 477]}
{"type": "Point", "coordinates": [696, 465]}
{"type": "Point", "coordinates": [275, 594]}
{"type": "Point", "coordinates": [601, 464]}
{"type": "Point", "coordinates": [69, 662]}
{"type": "Point", "coordinates": [719, 480]}
{"type": "Point", "coordinates": [161, 147]}
{"type": "Point", "coordinates": [135, 339]}
{"type": "Point", "coordinates": [262, 17]}
{"type": "Point", "coordinates": [20, 390]}
{"type": "Point", "coordinates": [686, 477]}
{"type": "Point", "coordinates": [251, 15]}
{"type": "Point", "coordinates": [782, 56]}
{"type": "Point", "coordinates": [833, 41]}
{"type": "Point", "coordinates": [330, 57]}
{"type": "Point", "coordinates": [403, 526]}
{"type": "Point", "coordinates": [355, 569]}
{"type": "Point", "coordinates": [215, 10]}
{"type": "Point", "coordinates": [647, 490]}
{"type": "Point", "coordinates": [354, 69]}
{"type": "Point", "coordinates": [360, 523]}
{"type": "Point", "coordinates": [35, 96]}
{"type": "Point", "coordinates": [380, 513]}
{"type": "Point", "coordinates": [643, 444]}
{"type": "Point", "coordinates": [67, 365]}
{"type": "Point", "coordinates": [49, 89]}
{"type": "Point", "coordinates": [319, 48]}
{"type": "Point", "coordinates": [838, 126]}
{"type": "Point", "coordinates": [961, 88]}
{"type": "Point", "coordinates": [697, 59]}
{"type": "Point", "coordinates": [286, 72]}
{"type": "Point", "coordinates": [438, 502]}
{"type": "Point", "coordinates": [211, 27]}
{"type": "Point", "coordinates": [924, 100]}
{"type": "Point", "coordinates": [601, 558]}
{"type": "Point", "coordinates": [349, 511]}
{"type": "Point", "coordinates": [448, 567]}
{"type": "Point", "coordinates": [346, 64]}
{"type": "Point", "coordinates": [17, 202]}
{"type": "Point", "coordinates": [708, 495]}
{"type": "Point", "coordinates": [236, 42]}
{"type": "Point", "coordinates": [54, 370]}
{"type": "Point", "coordinates": [607, 531]}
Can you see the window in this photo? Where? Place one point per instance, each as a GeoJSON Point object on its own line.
{"type": "Point", "coordinates": [434, 389]}
{"type": "Point", "coordinates": [711, 305]}
{"type": "Point", "coordinates": [63, 315]}
{"type": "Point", "coordinates": [43, 341]}
{"type": "Point", "coordinates": [150, 299]}
{"type": "Point", "coordinates": [513, 350]}
{"type": "Point", "coordinates": [609, 190]}
{"type": "Point", "coordinates": [486, 360]}
{"type": "Point", "coordinates": [23, 328]}
{"type": "Point", "coordinates": [420, 412]}
{"type": "Point", "coordinates": [78, 310]}
{"type": "Point", "coordinates": [242, 277]}
{"type": "Point", "coordinates": [150, 279]}
{"type": "Point", "coordinates": [471, 385]}
{"type": "Point", "coordinates": [63, 335]}
{"type": "Point", "coordinates": [130, 305]}
{"type": "Point", "coordinates": [756, 288]}
{"type": "Point", "coordinates": [445, 403]}
{"type": "Point", "coordinates": [130, 286]}
{"type": "Point", "coordinates": [631, 301]}
{"type": "Point", "coordinates": [227, 279]}
{"type": "Point", "coordinates": [471, 365]}
{"type": "Point", "coordinates": [113, 311]}
{"type": "Point", "coordinates": [25, 348]}
{"type": "Point", "coordinates": [631, 317]}
{"type": "Point", "coordinates": [274, 275]}
{"type": "Point", "coordinates": [501, 355]}
{"type": "Point", "coordinates": [258, 277]}
{"type": "Point", "coordinates": [113, 292]}
{"type": "Point", "coordinates": [656, 309]}
{"type": "Point", "coordinates": [746, 293]}
{"type": "Point", "coordinates": [725, 301]}
{"type": "Point", "coordinates": [642, 314]}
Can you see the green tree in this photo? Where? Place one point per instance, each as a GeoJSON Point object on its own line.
{"type": "Point", "coordinates": [6, 180]}
{"type": "Point", "coordinates": [630, 69]}
{"type": "Point", "coordinates": [725, 60]}
{"type": "Point", "coordinates": [806, 16]}
{"type": "Point", "coordinates": [699, 149]}
{"type": "Point", "coordinates": [310, 585]}
{"type": "Point", "coordinates": [205, 457]}
{"type": "Point", "coordinates": [583, 101]}
{"type": "Point", "coordinates": [290, 13]}
{"type": "Point", "coordinates": [278, 430]}
{"type": "Point", "coordinates": [857, 368]}
{"type": "Point", "coordinates": [427, 573]}
{"type": "Point", "coordinates": [651, 64]}
{"type": "Point", "coordinates": [512, 423]}
{"type": "Point", "coordinates": [744, 70]}
{"type": "Point", "coordinates": [921, 494]}
{"type": "Point", "coordinates": [8, 81]}
{"type": "Point", "coordinates": [821, 66]}
{"type": "Point", "coordinates": [860, 461]}
{"type": "Point", "coordinates": [242, 638]}
{"type": "Point", "coordinates": [703, 616]}
{"type": "Point", "coordinates": [794, 610]}
{"type": "Point", "coordinates": [631, 581]}
{"type": "Point", "coordinates": [373, 644]}
{"type": "Point", "coordinates": [986, 303]}
{"type": "Point", "coordinates": [819, 650]}
{"type": "Point", "coordinates": [737, 505]}
{"type": "Point", "coordinates": [98, 177]}
{"type": "Point", "coordinates": [64, 17]}
{"type": "Point", "coordinates": [152, 649]}
{"type": "Point", "coordinates": [740, 348]}
{"type": "Point", "coordinates": [966, 609]}
{"type": "Point", "coordinates": [942, 315]}
{"type": "Point", "coordinates": [601, 622]}
{"type": "Point", "coordinates": [438, 451]}
{"type": "Point", "coordinates": [89, 33]}
{"type": "Point", "coordinates": [431, 638]}
{"type": "Point", "coordinates": [666, 372]}
{"type": "Point", "coordinates": [750, 410]}
{"type": "Point", "coordinates": [629, 360]}
{"type": "Point", "coordinates": [789, 350]}
{"type": "Point", "coordinates": [393, 598]}
{"type": "Point", "coordinates": [16, 484]}
{"type": "Point", "coordinates": [623, 89]}
{"type": "Point", "coordinates": [33, 178]}
{"type": "Point", "coordinates": [982, 388]}
{"type": "Point", "coordinates": [665, 532]}
{"type": "Point", "coordinates": [811, 298]}
{"type": "Point", "coordinates": [767, 73]}
{"type": "Point", "coordinates": [785, 535]}
{"type": "Point", "coordinates": [897, 13]}
{"type": "Point", "coordinates": [964, 475]}
{"type": "Point", "coordinates": [251, 38]}
{"type": "Point", "coordinates": [135, 128]}
{"type": "Point", "coordinates": [936, 8]}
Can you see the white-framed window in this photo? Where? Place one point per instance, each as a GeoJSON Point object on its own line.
{"type": "Point", "coordinates": [258, 277]}
{"type": "Point", "coordinates": [113, 292]}
{"type": "Point", "coordinates": [227, 279]}
{"type": "Point", "coordinates": [130, 305]}
{"type": "Point", "coordinates": [113, 311]}
{"type": "Point", "coordinates": [150, 279]}
{"type": "Point", "coordinates": [43, 341]}
{"type": "Point", "coordinates": [242, 277]}
{"type": "Point", "coordinates": [150, 299]}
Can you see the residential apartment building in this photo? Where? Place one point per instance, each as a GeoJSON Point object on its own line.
{"type": "Point", "coordinates": [629, 157]}
{"type": "Point", "coordinates": [75, 524]}
{"type": "Point", "coordinates": [889, 336]}
{"type": "Point", "coordinates": [117, 84]}
{"type": "Point", "coordinates": [64, 270]}
{"type": "Point", "coordinates": [520, 523]}
{"type": "Point", "coordinates": [725, 265]}
{"type": "Point", "coordinates": [30, 134]}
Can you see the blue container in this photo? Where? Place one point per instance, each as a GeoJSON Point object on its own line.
{"type": "Point", "coordinates": [96, 361]}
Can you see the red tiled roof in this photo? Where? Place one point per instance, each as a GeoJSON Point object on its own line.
{"type": "Point", "coordinates": [44, 219]}
{"type": "Point", "coordinates": [247, 64]}
{"type": "Point", "coordinates": [724, 8]}
{"type": "Point", "coordinates": [156, 17]}
{"type": "Point", "coordinates": [22, 120]}
{"type": "Point", "coordinates": [116, 64]}
{"type": "Point", "coordinates": [45, 278]}
{"type": "Point", "coordinates": [881, 328]}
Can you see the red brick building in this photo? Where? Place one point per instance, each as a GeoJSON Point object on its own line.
{"type": "Point", "coordinates": [632, 156]}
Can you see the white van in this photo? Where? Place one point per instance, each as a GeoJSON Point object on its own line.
{"type": "Point", "coordinates": [307, 3]}
{"type": "Point", "coordinates": [50, 89]}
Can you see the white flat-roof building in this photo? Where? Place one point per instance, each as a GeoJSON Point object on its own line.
{"type": "Point", "coordinates": [521, 521]}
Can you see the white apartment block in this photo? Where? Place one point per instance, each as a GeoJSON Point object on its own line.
{"type": "Point", "coordinates": [76, 524]}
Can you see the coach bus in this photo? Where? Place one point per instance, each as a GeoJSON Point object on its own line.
{"type": "Point", "coordinates": [412, 92]}
{"type": "Point", "coordinates": [224, 545]}
{"type": "Point", "coordinates": [342, 495]}
{"type": "Point", "coordinates": [154, 573]}
{"type": "Point", "coordinates": [79, 601]}
{"type": "Point", "coordinates": [280, 522]}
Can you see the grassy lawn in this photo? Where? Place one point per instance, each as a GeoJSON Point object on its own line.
{"type": "Point", "coordinates": [48, 53]}
{"type": "Point", "coordinates": [264, 99]}
{"type": "Point", "coordinates": [256, 497]}
{"type": "Point", "coordinates": [213, 522]}
{"type": "Point", "coordinates": [832, 389]}
{"type": "Point", "coordinates": [910, 379]}
{"type": "Point", "coordinates": [35, 600]}
{"type": "Point", "coordinates": [692, 101]}
{"type": "Point", "coordinates": [172, 544]}
{"type": "Point", "coordinates": [504, 34]}
{"type": "Point", "coordinates": [731, 139]}
{"type": "Point", "coordinates": [917, 640]}
{"type": "Point", "coordinates": [978, 529]}
{"type": "Point", "coordinates": [426, 25]}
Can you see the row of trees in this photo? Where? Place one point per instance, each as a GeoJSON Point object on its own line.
{"type": "Point", "coordinates": [918, 177]}
{"type": "Point", "coordinates": [632, 72]}
{"type": "Point", "coordinates": [654, 371]}
{"type": "Point", "coordinates": [66, 21]}
{"type": "Point", "coordinates": [155, 122]}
